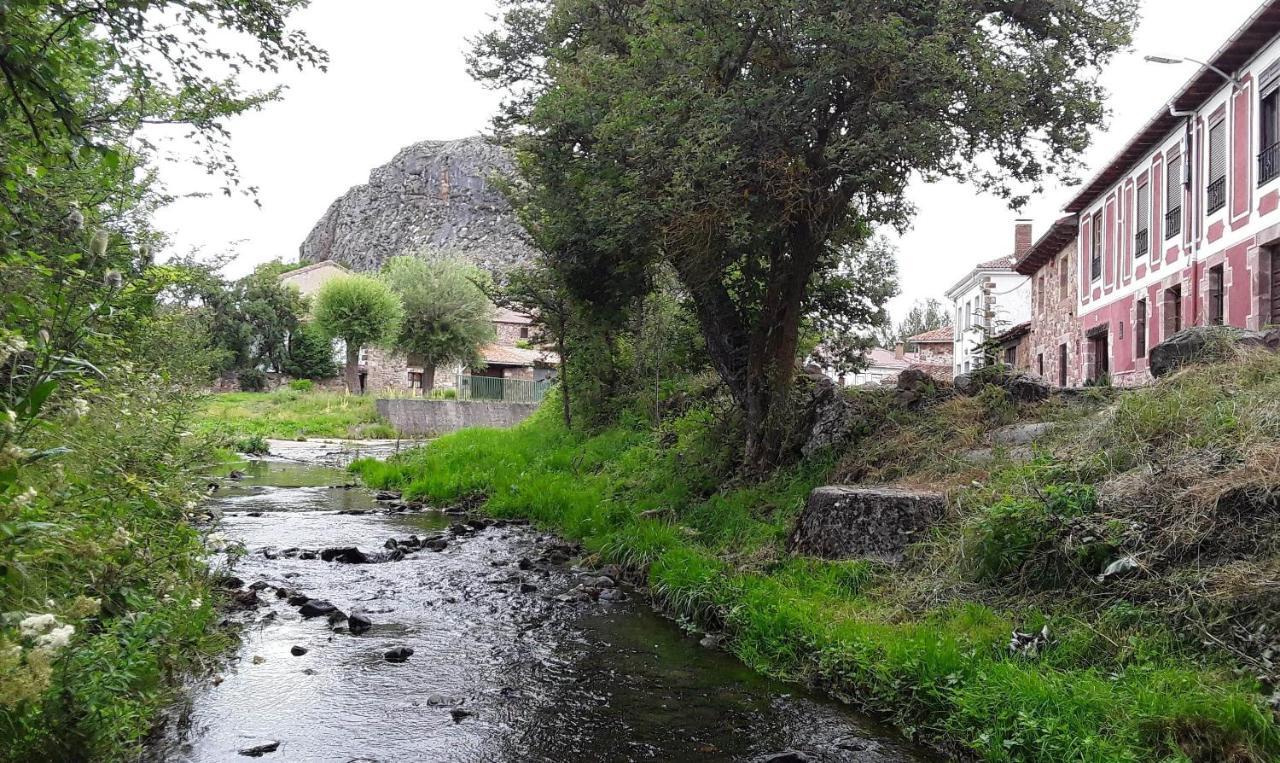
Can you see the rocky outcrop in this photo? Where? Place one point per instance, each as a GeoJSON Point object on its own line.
{"type": "Point", "coordinates": [843, 522]}
{"type": "Point", "coordinates": [1199, 344]}
{"type": "Point", "coordinates": [1022, 387]}
{"type": "Point", "coordinates": [439, 195]}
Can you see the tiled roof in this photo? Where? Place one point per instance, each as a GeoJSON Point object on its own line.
{"type": "Point", "coordinates": [879, 357]}
{"type": "Point", "coordinates": [506, 355]}
{"type": "Point", "coordinates": [934, 336]}
{"type": "Point", "coordinates": [1063, 231]}
{"type": "Point", "coordinates": [308, 268]}
{"type": "Point", "coordinates": [999, 263]}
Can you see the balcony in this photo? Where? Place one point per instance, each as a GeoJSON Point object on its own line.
{"type": "Point", "coordinates": [1216, 194]}
{"type": "Point", "coordinates": [1172, 222]}
{"type": "Point", "coordinates": [1141, 242]}
{"type": "Point", "coordinates": [1269, 163]}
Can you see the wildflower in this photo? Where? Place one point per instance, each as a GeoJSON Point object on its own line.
{"type": "Point", "coordinates": [37, 625]}
{"type": "Point", "coordinates": [79, 407]}
{"type": "Point", "coordinates": [74, 219]}
{"type": "Point", "coordinates": [56, 638]}
{"type": "Point", "coordinates": [83, 606]}
{"type": "Point", "coordinates": [216, 542]}
{"type": "Point", "coordinates": [98, 246]}
{"type": "Point", "coordinates": [196, 602]}
{"type": "Point", "coordinates": [25, 497]}
{"type": "Point", "coordinates": [112, 279]}
{"type": "Point", "coordinates": [122, 536]}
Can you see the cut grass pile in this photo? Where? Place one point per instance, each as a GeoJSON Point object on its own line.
{"type": "Point", "coordinates": [927, 644]}
{"type": "Point", "coordinates": [288, 414]}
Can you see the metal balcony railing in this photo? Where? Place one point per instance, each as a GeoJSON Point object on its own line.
{"type": "Point", "coordinates": [1216, 194]}
{"type": "Point", "coordinates": [1141, 242]}
{"type": "Point", "coordinates": [1269, 163]}
{"type": "Point", "coordinates": [1172, 222]}
{"type": "Point", "coordinates": [502, 390]}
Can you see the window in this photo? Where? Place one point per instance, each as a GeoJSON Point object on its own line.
{"type": "Point", "coordinates": [968, 314]}
{"type": "Point", "coordinates": [1062, 278]}
{"type": "Point", "coordinates": [1172, 311]}
{"type": "Point", "coordinates": [1095, 250]}
{"type": "Point", "coordinates": [1173, 197]}
{"type": "Point", "coordinates": [1040, 364]}
{"type": "Point", "coordinates": [1011, 356]}
{"type": "Point", "coordinates": [1140, 329]}
{"type": "Point", "coordinates": [524, 332]}
{"type": "Point", "coordinates": [1216, 190]}
{"type": "Point", "coordinates": [1217, 297]}
{"type": "Point", "coordinates": [1062, 365]}
{"type": "Point", "coordinates": [1269, 124]}
{"type": "Point", "coordinates": [1142, 239]}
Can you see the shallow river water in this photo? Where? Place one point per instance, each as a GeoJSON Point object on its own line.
{"type": "Point", "coordinates": [503, 668]}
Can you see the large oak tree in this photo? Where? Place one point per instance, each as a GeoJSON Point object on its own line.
{"type": "Point", "coordinates": [751, 142]}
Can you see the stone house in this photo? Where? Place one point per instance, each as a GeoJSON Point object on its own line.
{"type": "Point", "coordinates": [1181, 228]}
{"type": "Point", "coordinates": [381, 369]}
{"type": "Point", "coordinates": [934, 347]}
{"type": "Point", "coordinates": [1055, 337]}
{"type": "Point", "coordinates": [990, 299]}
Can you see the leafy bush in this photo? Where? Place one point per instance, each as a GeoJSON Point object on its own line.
{"type": "Point", "coordinates": [301, 385]}
{"type": "Point", "coordinates": [310, 354]}
{"type": "Point", "coordinates": [253, 445]}
{"type": "Point", "coordinates": [251, 380]}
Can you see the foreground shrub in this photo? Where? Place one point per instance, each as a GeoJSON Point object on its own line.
{"type": "Point", "coordinates": [251, 380]}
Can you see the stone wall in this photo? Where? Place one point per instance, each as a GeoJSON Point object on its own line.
{"type": "Point", "coordinates": [433, 417]}
{"type": "Point", "coordinates": [1054, 322]}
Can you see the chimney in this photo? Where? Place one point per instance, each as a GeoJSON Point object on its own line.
{"type": "Point", "coordinates": [1021, 238]}
{"type": "Point", "coordinates": [900, 350]}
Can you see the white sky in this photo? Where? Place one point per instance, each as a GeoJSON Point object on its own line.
{"type": "Point", "coordinates": [397, 76]}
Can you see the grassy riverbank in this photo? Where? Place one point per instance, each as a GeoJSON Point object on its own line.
{"type": "Point", "coordinates": [105, 596]}
{"type": "Point", "coordinates": [290, 415]}
{"type": "Point", "coordinates": [1138, 668]}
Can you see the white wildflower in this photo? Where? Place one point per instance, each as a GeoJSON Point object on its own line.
{"type": "Point", "coordinates": [79, 407]}
{"type": "Point", "coordinates": [98, 246]}
{"type": "Point", "coordinates": [25, 497]}
{"type": "Point", "coordinates": [122, 537]}
{"type": "Point", "coordinates": [56, 638]}
{"type": "Point", "coordinates": [216, 542]}
{"type": "Point", "coordinates": [36, 625]}
{"type": "Point", "coordinates": [197, 602]}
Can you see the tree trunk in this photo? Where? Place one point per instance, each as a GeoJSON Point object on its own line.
{"type": "Point", "coordinates": [428, 378]}
{"type": "Point", "coordinates": [352, 371]}
{"type": "Point", "coordinates": [564, 380]}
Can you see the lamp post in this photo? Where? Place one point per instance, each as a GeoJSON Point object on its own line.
{"type": "Point", "coordinates": [1184, 59]}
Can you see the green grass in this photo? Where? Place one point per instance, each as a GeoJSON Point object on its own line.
{"type": "Point", "coordinates": [292, 414]}
{"type": "Point", "coordinates": [1111, 687]}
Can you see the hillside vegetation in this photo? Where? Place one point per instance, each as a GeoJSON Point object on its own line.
{"type": "Point", "coordinates": [1143, 535]}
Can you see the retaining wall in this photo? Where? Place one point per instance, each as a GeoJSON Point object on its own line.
{"type": "Point", "coordinates": [432, 417]}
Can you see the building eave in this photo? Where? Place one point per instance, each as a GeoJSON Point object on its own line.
{"type": "Point", "coordinates": [1063, 231]}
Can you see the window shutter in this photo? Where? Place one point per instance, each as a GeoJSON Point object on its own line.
{"type": "Point", "coordinates": [1269, 80]}
{"type": "Point", "coordinates": [1144, 207]}
{"type": "Point", "coordinates": [1218, 151]}
{"type": "Point", "coordinates": [1173, 185]}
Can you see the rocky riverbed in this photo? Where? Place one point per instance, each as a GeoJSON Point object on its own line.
{"type": "Point", "coordinates": [379, 631]}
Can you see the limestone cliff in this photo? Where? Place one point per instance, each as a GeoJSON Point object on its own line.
{"type": "Point", "coordinates": [434, 194]}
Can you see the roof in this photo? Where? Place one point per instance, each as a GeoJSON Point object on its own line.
{"type": "Point", "coordinates": [506, 355]}
{"type": "Point", "coordinates": [1063, 231]}
{"type": "Point", "coordinates": [934, 336]}
{"type": "Point", "coordinates": [1256, 31]}
{"type": "Point", "coordinates": [879, 357]}
{"type": "Point", "coordinates": [999, 263]}
{"type": "Point", "coordinates": [506, 315]}
{"type": "Point", "coordinates": [1015, 332]}
{"type": "Point", "coordinates": [308, 268]}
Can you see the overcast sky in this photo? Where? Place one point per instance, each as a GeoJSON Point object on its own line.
{"type": "Point", "coordinates": [397, 76]}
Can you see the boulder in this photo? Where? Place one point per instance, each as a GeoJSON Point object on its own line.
{"type": "Point", "coordinates": [297, 650]}
{"type": "Point", "coordinates": [966, 385]}
{"type": "Point", "coordinates": [348, 555]}
{"type": "Point", "coordinates": [357, 623]}
{"type": "Point", "coordinates": [1021, 387]}
{"type": "Point", "coordinates": [826, 416]}
{"type": "Point", "coordinates": [316, 608]}
{"type": "Point", "coordinates": [259, 750]}
{"type": "Point", "coordinates": [399, 654]}
{"type": "Point", "coordinates": [1206, 343]}
{"type": "Point", "coordinates": [844, 522]}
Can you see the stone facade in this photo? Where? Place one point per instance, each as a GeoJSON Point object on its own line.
{"type": "Point", "coordinates": [1056, 341]}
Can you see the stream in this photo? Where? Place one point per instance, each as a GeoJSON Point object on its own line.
{"type": "Point", "coordinates": [517, 655]}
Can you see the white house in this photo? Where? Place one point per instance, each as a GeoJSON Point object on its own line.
{"type": "Point", "coordinates": [991, 298]}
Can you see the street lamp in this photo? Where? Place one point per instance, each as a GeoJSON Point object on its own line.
{"type": "Point", "coordinates": [1171, 60]}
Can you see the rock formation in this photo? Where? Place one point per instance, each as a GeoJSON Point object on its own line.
{"type": "Point", "coordinates": [439, 195]}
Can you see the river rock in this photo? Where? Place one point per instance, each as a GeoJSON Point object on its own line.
{"type": "Point", "coordinates": [611, 594]}
{"type": "Point", "coordinates": [258, 585]}
{"type": "Point", "coordinates": [245, 599]}
{"type": "Point", "coordinates": [347, 555]}
{"type": "Point", "coordinates": [297, 600]}
{"type": "Point", "coordinates": [457, 714]}
{"type": "Point", "coordinates": [844, 522]}
{"type": "Point", "coordinates": [336, 617]}
{"type": "Point", "coordinates": [435, 544]}
{"type": "Point", "coordinates": [260, 750]}
{"type": "Point", "coordinates": [297, 651]}
{"type": "Point", "coordinates": [399, 654]}
{"type": "Point", "coordinates": [528, 588]}
{"type": "Point", "coordinates": [787, 756]}
{"type": "Point", "coordinates": [316, 608]}
{"type": "Point", "coordinates": [357, 623]}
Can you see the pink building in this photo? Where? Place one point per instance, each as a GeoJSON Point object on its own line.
{"type": "Point", "coordinates": [1179, 228]}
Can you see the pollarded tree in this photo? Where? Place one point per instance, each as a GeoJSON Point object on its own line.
{"type": "Point", "coordinates": [361, 311]}
{"type": "Point", "coordinates": [750, 142]}
{"type": "Point", "coordinates": [447, 315]}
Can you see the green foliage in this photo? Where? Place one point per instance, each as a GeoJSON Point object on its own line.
{"type": "Point", "coordinates": [285, 414]}
{"type": "Point", "coordinates": [360, 310]}
{"type": "Point", "coordinates": [925, 315]}
{"type": "Point", "coordinates": [310, 354]}
{"type": "Point", "coordinates": [677, 134]}
{"type": "Point", "coordinates": [301, 385]}
{"type": "Point", "coordinates": [1121, 689]}
{"type": "Point", "coordinates": [447, 316]}
{"type": "Point", "coordinates": [251, 380]}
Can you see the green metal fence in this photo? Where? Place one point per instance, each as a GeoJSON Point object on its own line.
{"type": "Point", "coordinates": [499, 389]}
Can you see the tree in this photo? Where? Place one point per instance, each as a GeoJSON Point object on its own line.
{"type": "Point", "coordinates": [271, 312]}
{"type": "Point", "coordinates": [848, 306]}
{"type": "Point", "coordinates": [447, 315]}
{"type": "Point", "coordinates": [537, 291]}
{"type": "Point", "coordinates": [361, 311]}
{"type": "Point", "coordinates": [750, 142]}
{"type": "Point", "coordinates": [310, 354]}
{"type": "Point", "coordinates": [925, 315]}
